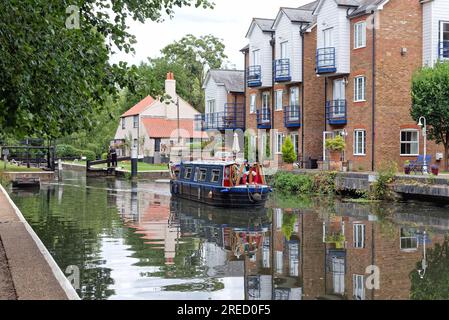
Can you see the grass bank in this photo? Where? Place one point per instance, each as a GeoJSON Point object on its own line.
{"type": "Point", "coordinates": [141, 166]}
{"type": "Point", "coordinates": [16, 168]}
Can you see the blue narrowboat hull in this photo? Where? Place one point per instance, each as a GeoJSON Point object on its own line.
{"type": "Point", "coordinates": [233, 197]}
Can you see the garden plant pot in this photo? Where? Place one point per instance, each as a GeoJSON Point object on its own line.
{"type": "Point", "coordinates": [407, 170]}
{"type": "Point", "coordinates": [335, 156]}
{"type": "Point", "coordinates": [435, 171]}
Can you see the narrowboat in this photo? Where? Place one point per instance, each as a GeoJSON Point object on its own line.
{"type": "Point", "coordinates": [225, 184]}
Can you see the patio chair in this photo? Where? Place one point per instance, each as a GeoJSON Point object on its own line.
{"type": "Point", "coordinates": [418, 165]}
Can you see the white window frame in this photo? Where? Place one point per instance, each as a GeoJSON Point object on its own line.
{"type": "Point", "coordinates": [283, 50]}
{"type": "Point", "coordinates": [360, 35]}
{"type": "Point", "coordinates": [441, 37]}
{"type": "Point", "coordinates": [358, 243]}
{"type": "Point", "coordinates": [135, 122]}
{"type": "Point", "coordinates": [409, 142]}
{"type": "Point", "coordinates": [279, 262]}
{"type": "Point", "coordinates": [279, 95]}
{"type": "Point", "coordinates": [256, 57]}
{"type": "Point", "coordinates": [123, 123]}
{"type": "Point", "coordinates": [252, 103]}
{"type": "Point", "coordinates": [279, 142]}
{"type": "Point", "coordinates": [359, 96]}
{"type": "Point", "coordinates": [358, 287]}
{"type": "Point", "coordinates": [295, 141]}
{"type": "Point", "coordinates": [356, 142]}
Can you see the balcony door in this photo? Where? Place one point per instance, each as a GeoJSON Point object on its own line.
{"type": "Point", "coordinates": [444, 40]}
{"type": "Point", "coordinates": [339, 96]}
{"type": "Point", "coordinates": [294, 104]}
{"type": "Point", "coordinates": [266, 107]}
{"type": "Point", "coordinates": [256, 58]}
{"type": "Point", "coordinates": [328, 40]}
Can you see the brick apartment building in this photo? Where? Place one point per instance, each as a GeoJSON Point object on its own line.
{"type": "Point", "coordinates": [343, 67]}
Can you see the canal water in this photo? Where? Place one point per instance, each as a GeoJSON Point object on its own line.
{"type": "Point", "coordinates": [132, 241]}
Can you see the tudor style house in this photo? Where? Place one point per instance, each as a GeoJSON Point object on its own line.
{"type": "Point", "coordinates": [152, 126]}
{"type": "Point", "coordinates": [335, 67]}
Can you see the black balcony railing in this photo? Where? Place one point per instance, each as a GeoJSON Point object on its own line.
{"type": "Point", "coordinates": [281, 68]}
{"type": "Point", "coordinates": [254, 76]}
{"type": "Point", "coordinates": [292, 117]}
{"type": "Point", "coordinates": [325, 60]}
{"type": "Point", "coordinates": [336, 112]}
{"type": "Point", "coordinates": [233, 117]}
{"type": "Point", "coordinates": [264, 118]}
{"type": "Point", "coordinates": [444, 50]}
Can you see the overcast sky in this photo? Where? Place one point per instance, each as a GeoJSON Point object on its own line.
{"type": "Point", "coordinates": [229, 20]}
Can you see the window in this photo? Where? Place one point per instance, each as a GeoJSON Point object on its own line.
{"type": "Point", "coordinates": [202, 175]}
{"type": "Point", "coordinates": [360, 35]}
{"type": "Point", "coordinates": [409, 143]}
{"type": "Point", "coordinates": [359, 142]}
{"type": "Point", "coordinates": [444, 39]}
{"type": "Point", "coordinates": [284, 48]}
{"type": "Point", "coordinates": [256, 58]}
{"type": "Point", "coordinates": [215, 177]}
{"type": "Point", "coordinates": [293, 255]}
{"type": "Point", "coordinates": [188, 173]}
{"type": "Point", "coordinates": [358, 287]}
{"type": "Point", "coordinates": [123, 123]}
{"type": "Point", "coordinates": [327, 38]}
{"type": "Point", "coordinates": [409, 240]}
{"type": "Point", "coordinates": [266, 107]}
{"type": "Point", "coordinates": [294, 103]}
{"type": "Point", "coordinates": [135, 121]}
{"type": "Point", "coordinates": [279, 94]}
{"type": "Point", "coordinates": [338, 275]}
{"type": "Point", "coordinates": [279, 262]}
{"type": "Point", "coordinates": [266, 252]}
{"type": "Point", "coordinates": [210, 106]}
{"type": "Point", "coordinates": [359, 235]}
{"type": "Point", "coordinates": [359, 88]}
{"type": "Point", "coordinates": [279, 142]}
{"type": "Point", "coordinates": [295, 141]}
{"type": "Point", "coordinates": [252, 103]}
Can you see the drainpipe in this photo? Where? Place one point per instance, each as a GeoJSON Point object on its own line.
{"type": "Point", "coordinates": [301, 34]}
{"type": "Point", "coordinates": [245, 90]}
{"type": "Point", "coordinates": [325, 101]}
{"type": "Point", "coordinates": [273, 56]}
{"type": "Point", "coordinates": [373, 93]}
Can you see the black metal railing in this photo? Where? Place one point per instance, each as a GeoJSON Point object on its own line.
{"type": "Point", "coordinates": [325, 60]}
{"type": "Point", "coordinates": [292, 116]}
{"type": "Point", "coordinates": [254, 76]}
{"type": "Point", "coordinates": [281, 68]}
{"type": "Point", "coordinates": [336, 112]}
{"type": "Point", "coordinates": [264, 118]}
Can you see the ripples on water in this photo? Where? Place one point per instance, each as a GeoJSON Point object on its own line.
{"type": "Point", "coordinates": [131, 241]}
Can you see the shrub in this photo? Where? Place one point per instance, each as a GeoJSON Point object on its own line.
{"type": "Point", "coordinates": [90, 155]}
{"type": "Point", "coordinates": [288, 151]}
{"type": "Point", "coordinates": [336, 144]}
{"type": "Point", "coordinates": [104, 156]}
{"type": "Point", "coordinates": [322, 183]}
{"type": "Point", "coordinates": [380, 190]}
{"type": "Point", "coordinates": [66, 151]}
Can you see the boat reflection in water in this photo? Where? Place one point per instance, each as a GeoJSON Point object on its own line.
{"type": "Point", "coordinates": [162, 248]}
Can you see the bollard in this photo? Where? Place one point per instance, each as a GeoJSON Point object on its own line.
{"type": "Point", "coordinates": [134, 162]}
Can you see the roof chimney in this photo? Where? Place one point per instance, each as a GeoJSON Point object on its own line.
{"type": "Point", "coordinates": [170, 85]}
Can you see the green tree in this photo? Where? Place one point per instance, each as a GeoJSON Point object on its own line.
{"type": "Point", "coordinates": [435, 283]}
{"type": "Point", "coordinates": [52, 78]}
{"type": "Point", "coordinates": [288, 151]}
{"type": "Point", "coordinates": [430, 98]}
{"type": "Point", "coordinates": [196, 55]}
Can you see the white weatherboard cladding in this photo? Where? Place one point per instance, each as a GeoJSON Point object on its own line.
{"type": "Point", "coordinates": [288, 31]}
{"type": "Point", "coordinates": [259, 40]}
{"type": "Point", "coordinates": [434, 12]}
{"type": "Point", "coordinates": [332, 16]}
{"type": "Point", "coordinates": [215, 92]}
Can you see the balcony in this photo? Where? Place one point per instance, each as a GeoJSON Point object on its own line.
{"type": "Point", "coordinates": [336, 112]}
{"type": "Point", "coordinates": [292, 117]}
{"type": "Point", "coordinates": [281, 69]}
{"type": "Point", "coordinates": [443, 50]}
{"type": "Point", "coordinates": [254, 76]}
{"type": "Point", "coordinates": [264, 118]}
{"type": "Point", "coordinates": [325, 60]}
{"type": "Point", "coordinates": [232, 118]}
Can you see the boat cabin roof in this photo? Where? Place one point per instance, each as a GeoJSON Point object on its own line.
{"type": "Point", "coordinates": [209, 163]}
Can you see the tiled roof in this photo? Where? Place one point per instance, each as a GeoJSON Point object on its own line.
{"type": "Point", "coordinates": [264, 24]}
{"type": "Point", "coordinates": [233, 80]}
{"type": "Point", "coordinates": [140, 107]}
{"type": "Point", "coordinates": [298, 15]}
{"type": "Point", "coordinates": [167, 128]}
{"type": "Point", "coordinates": [309, 6]}
{"type": "Point", "coordinates": [365, 6]}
